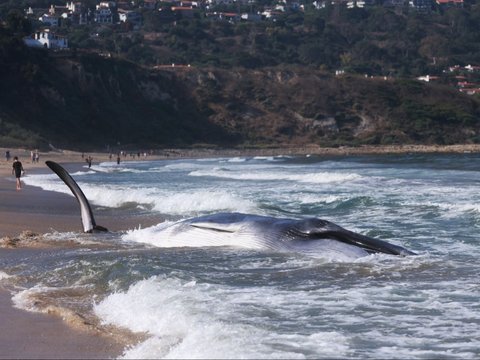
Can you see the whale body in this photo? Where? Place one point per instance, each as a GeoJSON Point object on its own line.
{"type": "Point", "coordinates": [311, 236]}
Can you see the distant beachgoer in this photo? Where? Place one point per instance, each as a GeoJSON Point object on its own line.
{"type": "Point", "coordinates": [32, 156]}
{"type": "Point", "coordinates": [118, 159]}
{"type": "Point", "coordinates": [89, 161]}
{"type": "Point", "coordinates": [37, 156]}
{"type": "Point", "coordinates": [17, 170]}
{"type": "Point", "coordinates": [7, 155]}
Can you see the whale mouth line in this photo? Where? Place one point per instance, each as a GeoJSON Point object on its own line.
{"type": "Point", "coordinates": [210, 228]}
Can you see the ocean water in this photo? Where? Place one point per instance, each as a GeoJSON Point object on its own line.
{"type": "Point", "coordinates": [226, 302]}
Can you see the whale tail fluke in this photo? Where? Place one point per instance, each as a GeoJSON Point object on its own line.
{"type": "Point", "coordinates": [88, 220]}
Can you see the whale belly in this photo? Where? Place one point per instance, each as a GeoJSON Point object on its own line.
{"type": "Point", "coordinates": [185, 235]}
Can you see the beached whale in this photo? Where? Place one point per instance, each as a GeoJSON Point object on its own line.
{"type": "Point", "coordinates": [315, 237]}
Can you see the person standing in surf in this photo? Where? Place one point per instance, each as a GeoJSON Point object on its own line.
{"type": "Point", "coordinates": [17, 170]}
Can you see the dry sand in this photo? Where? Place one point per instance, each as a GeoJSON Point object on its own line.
{"type": "Point", "coordinates": [30, 335]}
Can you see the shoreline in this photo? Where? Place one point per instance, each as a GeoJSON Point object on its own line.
{"type": "Point", "coordinates": [196, 152]}
{"type": "Point", "coordinates": [32, 335]}
{"type": "Point", "coordinates": [39, 211]}
{"type": "Point", "coordinates": [32, 210]}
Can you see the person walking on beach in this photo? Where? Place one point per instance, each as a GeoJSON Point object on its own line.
{"type": "Point", "coordinates": [17, 170]}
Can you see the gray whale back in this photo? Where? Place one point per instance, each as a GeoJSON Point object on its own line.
{"type": "Point", "coordinates": [311, 236]}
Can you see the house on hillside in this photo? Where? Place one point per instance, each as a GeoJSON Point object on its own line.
{"type": "Point", "coordinates": [230, 17]}
{"type": "Point", "coordinates": [103, 15]}
{"type": "Point", "coordinates": [470, 91]}
{"type": "Point", "coordinates": [49, 20]}
{"type": "Point", "coordinates": [130, 16]}
{"type": "Point", "coordinates": [449, 3]}
{"type": "Point", "coordinates": [46, 39]}
{"type": "Point", "coordinates": [57, 10]}
{"type": "Point", "coordinates": [183, 11]}
{"type": "Point", "coordinates": [77, 13]}
{"type": "Point", "coordinates": [422, 6]}
{"type": "Point", "coordinates": [251, 17]}
{"type": "Point", "coordinates": [427, 78]}
{"type": "Point", "coordinates": [472, 68]}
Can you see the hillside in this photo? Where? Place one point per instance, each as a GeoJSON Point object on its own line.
{"type": "Point", "coordinates": [84, 101]}
{"type": "Point", "coordinates": [265, 83]}
{"type": "Point", "coordinates": [376, 40]}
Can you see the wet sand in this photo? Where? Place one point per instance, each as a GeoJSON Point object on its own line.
{"type": "Point", "coordinates": [32, 335]}
{"type": "Point", "coordinates": [27, 335]}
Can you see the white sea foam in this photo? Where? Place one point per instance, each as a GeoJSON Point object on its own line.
{"type": "Point", "coordinates": [182, 203]}
{"type": "Point", "coordinates": [185, 166]}
{"type": "Point", "coordinates": [25, 299]}
{"type": "Point", "coordinates": [267, 158]}
{"type": "Point", "coordinates": [114, 168]}
{"type": "Point", "coordinates": [237, 160]}
{"type": "Point", "coordinates": [203, 201]}
{"type": "Point", "coordinates": [147, 235]}
{"type": "Point", "coordinates": [4, 275]}
{"type": "Point", "coordinates": [191, 320]}
{"type": "Point", "coordinates": [316, 178]}
{"type": "Point", "coordinates": [448, 210]}
{"type": "Point", "coordinates": [116, 196]}
{"type": "Point", "coordinates": [164, 201]}
{"type": "Point", "coordinates": [80, 238]}
{"type": "Point", "coordinates": [49, 182]}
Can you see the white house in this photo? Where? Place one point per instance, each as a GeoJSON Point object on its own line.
{"type": "Point", "coordinates": [427, 78]}
{"type": "Point", "coordinates": [130, 16]}
{"type": "Point", "coordinates": [48, 19]}
{"type": "Point", "coordinates": [103, 15]}
{"type": "Point", "coordinates": [107, 4]}
{"type": "Point", "coordinates": [74, 7]}
{"type": "Point", "coordinates": [251, 17]}
{"type": "Point", "coordinates": [47, 40]}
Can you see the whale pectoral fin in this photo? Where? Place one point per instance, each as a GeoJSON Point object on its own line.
{"type": "Point", "coordinates": [318, 228]}
{"type": "Point", "coordinates": [88, 220]}
{"type": "Point", "coordinates": [370, 244]}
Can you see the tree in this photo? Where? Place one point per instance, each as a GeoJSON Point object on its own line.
{"type": "Point", "coordinates": [17, 23]}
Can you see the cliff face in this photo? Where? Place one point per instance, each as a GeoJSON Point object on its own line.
{"type": "Point", "coordinates": [298, 106]}
{"type": "Point", "coordinates": [90, 102]}
{"type": "Point", "coordinates": [86, 101]}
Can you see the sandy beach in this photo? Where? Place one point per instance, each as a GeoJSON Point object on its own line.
{"type": "Point", "coordinates": [32, 335]}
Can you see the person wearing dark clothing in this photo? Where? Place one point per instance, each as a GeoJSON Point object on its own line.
{"type": "Point", "coordinates": [17, 170]}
